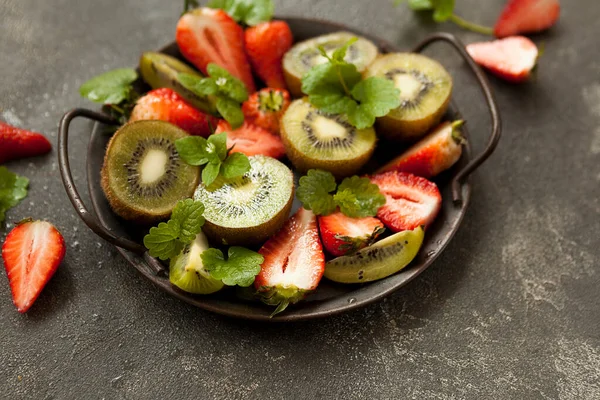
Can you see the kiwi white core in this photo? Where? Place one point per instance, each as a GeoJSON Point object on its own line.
{"type": "Point", "coordinates": [326, 128]}
{"type": "Point", "coordinates": [194, 263]}
{"type": "Point", "coordinates": [153, 166]}
{"type": "Point", "coordinates": [409, 86]}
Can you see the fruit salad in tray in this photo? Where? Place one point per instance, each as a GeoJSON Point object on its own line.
{"type": "Point", "coordinates": [258, 166]}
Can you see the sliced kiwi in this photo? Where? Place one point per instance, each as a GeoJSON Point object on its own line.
{"type": "Point", "coordinates": [161, 71]}
{"type": "Point", "coordinates": [249, 209]}
{"type": "Point", "coordinates": [187, 272]}
{"type": "Point", "coordinates": [142, 175]}
{"type": "Point", "coordinates": [314, 139]}
{"type": "Point", "coordinates": [305, 55]}
{"type": "Point", "coordinates": [377, 261]}
{"type": "Point", "coordinates": [425, 88]}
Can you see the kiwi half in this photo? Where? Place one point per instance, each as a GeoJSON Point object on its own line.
{"type": "Point", "coordinates": [186, 270]}
{"type": "Point", "coordinates": [143, 177]}
{"type": "Point", "coordinates": [425, 88]}
{"type": "Point", "coordinates": [161, 71]}
{"type": "Point", "coordinates": [377, 261]}
{"type": "Point", "coordinates": [249, 209]}
{"type": "Point", "coordinates": [305, 55]}
{"type": "Point", "coordinates": [314, 139]}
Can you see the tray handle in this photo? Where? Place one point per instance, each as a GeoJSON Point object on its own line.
{"type": "Point", "coordinates": [489, 98]}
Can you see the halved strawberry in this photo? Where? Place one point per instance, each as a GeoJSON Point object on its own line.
{"type": "Point", "coordinates": [252, 140]}
{"type": "Point", "coordinates": [436, 152]}
{"type": "Point", "coordinates": [294, 262]}
{"type": "Point", "coordinates": [343, 235]}
{"type": "Point", "coordinates": [411, 201]}
{"type": "Point", "coordinates": [511, 58]}
{"type": "Point", "coordinates": [526, 16]}
{"type": "Point", "coordinates": [266, 107]}
{"type": "Point", "coordinates": [31, 252]}
{"type": "Point", "coordinates": [206, 35]}
{"type": "Point", "coordinates": [266, 43]}
{"type": "Point", "coordinates": [166, 105]}
{"type": "Point", "coordinates": [18, 143]}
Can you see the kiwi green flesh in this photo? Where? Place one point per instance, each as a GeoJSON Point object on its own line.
{"type": "Point", "coordinates": [249, 209]}
{"type": "Point", "coordinates": [186, 270]}
{"type": "Point", "coordinates": [161, 71]}
{"type": "Point", "coordinates": [305, 55]}
{"type": "Point", "coordinates": [377, 261]}
{"type": "Point", "coordinates": [314, 139]}
{"type": "Point", "coordinates": [142, 175]}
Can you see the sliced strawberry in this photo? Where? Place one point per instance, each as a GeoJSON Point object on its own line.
{"type": "Point", "coordinates": [18, 143]}
{"type": "Point", "coordinates": [252, 140]}
{"type": "Point", "coordinates": [512, 58]}
{"type": "Point", "coordinates": [266, 43]}
{"type": "Point", "coordinates": [266, 107]}
{"type": "Point", "coordinates": [436, 152]}
{"type": "Point", "coordinates": [31, 252]}
{"type": "Point", "coordinates": [166, 105]}
{"type": "Point", "coordinates": [205, 36]}
{"type": "Point", "coordinates": [526, 16]}
{"type": "Point", "coordinates": [294, 262]}
{"type": "Point", "coordinates": [344, 235]}
{"type": "Point", "coordinates": [411, 201]}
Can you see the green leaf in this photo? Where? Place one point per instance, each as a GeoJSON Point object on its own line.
{"type": "Point", "coordinates": [227, 84]}
{"type": "Point", "coordinates": [443, 10]}
{"type": "Point", "coordinates": [325, 89]}
{"type": "Point", "coordinates": [240, 268]}
{"type": "Point", "coordinates": [339, 55]}
{"type": "Point", "coordinates": [357, 197]}
{"type": "Point", "coordinates": [162, 241]}
{"type": "Point", "coordinates": [13, 189]}
{"type": "Point", "coordinates": [420, 5]}
{"type": "Point", "coordinates": [261, 11]}
{"type": "Point", "coordinates": [193, 150]}
{"type": "Point", "coordinates": [250, 12]}
{"type": "Point", "coordinates": [236, 164]}
{"type": "Point", "coordinates": [197, 84]}
{"type": "Point", "coordinates": [377, 97]}
{"type": "Point", "coordinates": [188, 214]}
{"type": "Point", "coordinates": [111, 87]}
{"type": "Point", "coordinates": [314, 191]}
{"type": "Point", "coordinates": [231, 111]}
{"type": "Point", "coordinates": [217, 143]}
{"type": "Point", "coordinates": [210, 172]}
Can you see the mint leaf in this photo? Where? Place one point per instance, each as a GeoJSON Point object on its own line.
{"type": "Point", "coordinates": [227, 84]}
{"type": "Point", "coordinates": [162, 241]}
{"type": "Point", "coordinates": [13, 189]}
{"type": "Point", "coordinates": [377, 97]}
{"type": "Point", "coordinates": [217, 143]}
{"type": "Point", "coordinates": [193, 150]}
{"type": "Point", "coordinates": [261, 11]}
{"type": "Point", "coordinates": [236, 164]}
{"type": "Point", "coordinates": [210, 172]}
{"type": "Point", "coordinates": [314, 191]}
{"type": "Point", "coordinates": [339, 55]}
{"type": "Point", "coordinates": [249, 12]}
{"type": "Point", "coordinates": [188, 214]}
{"type": "Point", "coordinates": [198, 85]}
{"type": "Point", "coordinates": [240, 268]}
{"type": "Point", "coordinates": [231, 112]}
{"type": "Point", "coordinates": [443, 10]}
{"type": "Point", "coordinates": [325, 89]}
{"type": "Point", "coordinates": [357, 197]}
{"type": "Point", "coordinates": [111, 87]}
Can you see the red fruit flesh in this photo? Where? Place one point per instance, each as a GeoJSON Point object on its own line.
{"type": "Point", "coordinates": [266, 107]}
{"type": "Point", "coordinates": [166, 105]}
{"type": "Point", "coordinates": [18, 143]}
{"type": "Point", "coordinates": [526, 16]}
{"type": "Point", "coordinates": [343, 235]}
{"type": "Point", "coordinates": [511, 58]}
{"type": "Point", "coordinates": [411, 201]}
{"type": "Point", "coordinates": [31, 252]}
{"type": "Point", "coordinates": [433, 154]}
{"type": "Point", "coordinates": [266, 43]}
{"type": "Point", "coordinates": [206, 36]}
{"type": "Point", "coordinates": [252, 140]}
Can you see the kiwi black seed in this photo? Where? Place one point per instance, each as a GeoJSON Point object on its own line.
{"type": "Point", "coordinates": [161, 71]}
{"type": "Point", "coordinates": [305, 55]}
{"type": "Point", "coordinates": [142, 175]}
{"type": "Point", "coordinates": [249, 209]}
{"type": "Point", "coordinates": [314, 139]}
{"type": "Point", "coordinates": [425, 89]}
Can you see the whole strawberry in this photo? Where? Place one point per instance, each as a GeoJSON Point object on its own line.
{"type": "Point", "coordinates": [266, 43]}
{"type": "Point", "coordinates": [266, 107]}
{"type": "Point", "coordinates": [18, 143]}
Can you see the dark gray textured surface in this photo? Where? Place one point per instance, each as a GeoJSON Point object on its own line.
{"type": "Point", "coordinates": [509, 311]}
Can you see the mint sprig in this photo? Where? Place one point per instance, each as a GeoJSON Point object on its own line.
{"type": "Point", "coordinates": [240, 268]}
{"type": "Point", "coordinates": [114, 89]}
{"type": "Point", "coordinates": [214, 155]}
{"type": "Point", "coordinates": [168, 238]}
{"type": "Point", "coordinates": [13, 189]}
{"type": "Point", "coordinates": [336, 87]}
{"type": "Point", "coordinates": [248, 12]}
{"type": "Point", "coordinates": [229, 92]}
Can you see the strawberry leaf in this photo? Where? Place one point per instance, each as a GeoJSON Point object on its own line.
{"type": "Point", "coordinates": [13, 189]}
{"type": "Point", "coordinates": [240, 268]}
{"type": "Point", "coordinates": [249, 12]}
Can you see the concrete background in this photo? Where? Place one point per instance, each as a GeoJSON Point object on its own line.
{"type": "Point", "coordinates": [509, 311]}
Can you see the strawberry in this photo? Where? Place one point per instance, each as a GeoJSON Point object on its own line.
{"type": "Point", "coordinates": [343, 235]}
{"type": "Point", "coordinates": [411, 201]}
{"type": "Point", "coordinates": [31, 252]}
{"type": "Point", "coordinates": [526, 16]}
{"type": "Point", "coordinates": [18, 143]}
{"type": "Point", "coordinates": [293, 262]}
{"type": "Point", "coordinates": [266, 43]}
{"type": "Point", "coordinates": [436, 152]}
{"type": "Point", "coordinates": [251, 140]}
{"type": "Point", "coordinates": [166, 105]}
{"type": "Point", "coordinates": [266, 107]}
{"type": "Point", "coordinates": [206, 35]}
{"type": "Point", "coordinates": [511, 58]}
